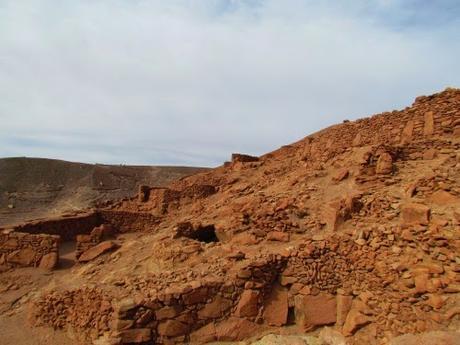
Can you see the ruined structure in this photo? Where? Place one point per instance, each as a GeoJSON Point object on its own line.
{"type": "Point", "coordinates": [356, 227]}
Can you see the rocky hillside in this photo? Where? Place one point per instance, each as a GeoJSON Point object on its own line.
{"type": "Point", "coordinates": [33, 188]}
{"type": "Point", "coordinates": [349, 236]}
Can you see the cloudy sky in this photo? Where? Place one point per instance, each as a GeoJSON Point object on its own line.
{"type": "Point", "coordinates": [189, 81]}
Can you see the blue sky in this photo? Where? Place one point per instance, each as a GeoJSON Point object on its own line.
{"type": "Point", "coordinates": [190, 82]}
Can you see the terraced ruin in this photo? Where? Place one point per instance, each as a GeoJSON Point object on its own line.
{"type": "Point", "coordinates": [350, 236]}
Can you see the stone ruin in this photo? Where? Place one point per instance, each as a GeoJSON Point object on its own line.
{"type": "Point", "coordinates": [356, 227]}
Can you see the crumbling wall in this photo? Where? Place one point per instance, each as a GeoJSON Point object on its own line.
{"type": "Point", "coordinates": [66, 227]}
{"type": "Point", "coordinates": [23, 250]}
{"type": "Point", "coordinates": [428, 118]}
{"type": "Point", "coordinates": [124, 221]}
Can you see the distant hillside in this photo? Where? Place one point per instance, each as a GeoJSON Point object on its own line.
{"type": "Point", "coordinates": [36, 187]}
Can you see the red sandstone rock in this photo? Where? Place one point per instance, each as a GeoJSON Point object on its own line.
{"type": "Point", "coordinates": [136, 336]}
{"type": "Point", "coordinates": [234, 329]}
{"type": "Point", "coordinates": [384, 164]}
{"type": "Point", "coordinates": [215, 309]}
{"type": "Point", "coordinates": [276, 307]}
{"type": "Point", "coordinates": [343, 307]}
{"type": "Point", "coordinates": [442, 197]}
{"type": "Point", "coordinates": [22, 257]}
{"type": "Point", "coordinates": [341, 175]}
{"type": "Point", "coordinates": [415, 214]}
{"type": "Point", "coordinates": [278, 236]}
{"type": "Point", "coordinates": [248, 304]}
{"type": "Point", "coordinates": [205, 334]}
{"type": "Point", "coordinates": [172, 328]}
{"type": "Point", "coordinates": [49, 261]}
{"type": "Point", "coordinates": [98, 250]}
{"type": "Point", "coordinates": [314, 311]}
{"type": "Point", "coordinates": [429, 123]}
{"type": "Point", "coordinates": [355, 320]}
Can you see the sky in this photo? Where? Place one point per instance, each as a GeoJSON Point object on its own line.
{"type": "Point", "coordinates": [188, 82]}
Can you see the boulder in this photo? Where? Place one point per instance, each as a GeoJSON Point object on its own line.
{"type": "Point", "coordinates": [172, 328]}
{"type": "Point", "coordinates": [384, 164]}
{"type": "Point", "coordinates": [442, 197]}
{"type": "Point", "coordinates": [428, 129]}
{"type": "Point", "coordinates": [136, 336]}
{"type": "Point", "coordinates": [49, 261]}
{"type": "Point", "coordinates": [355, 320]}
{"type": "Point", "coordinates": [215, 309]}
{"type": "Point", "coordinates": [413, 213]}
{"type": "Point", "coordinates": [343, 307]}
{"type": "Point", "coordinates": [314, 311]}
{"type": "Point", "coordinates": [276, 306]}
{"type": "Point", "coordinates": [234, 329]}
{"type": "Point", "coordinates": [22, 257]}
{"type": "Point", "coordinates": [248, 304]}
{"type": "Point", "coordinates": [341, 175]}
{"type": "Point", "coordinates": [97, 250]}
{"type": "Point", "coordinates": [204, 335]}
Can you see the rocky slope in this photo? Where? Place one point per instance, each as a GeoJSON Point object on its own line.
{"type": "Point", "coordinates": [356, 227]}
{"type": "Point", "coordinates": [33, 188]}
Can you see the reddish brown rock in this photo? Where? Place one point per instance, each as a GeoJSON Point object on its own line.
{"type": "Point", "coordinates": [234, 329]}
{"type": "Point", "coordinates": [276, 307]}
{"type": "Point", "coordinates": [428, 129]}
{"type": "Point", "coordinates": [278, 236]}
{"type": "Point", "coordinates": [168, 312]}
{"type": "Point", "coordinates": [384, 164]}
{"type": "Point", "coordinates": [248, 304]}
{"type": "Point", "coordinates": [205, 334]}
{"type": "Point", "coordinates": [429, 154]}
{"type": "Point", "coordinates": [341, 175]}
{"type": "Point", "coordinates": [136, 336]}
{"type": "Point", "coordinates": [22, 257]}
{"type": "Point", "coordinates": [198, 295]}
{"type": "Point", "coordinates": [355, 320]}
{"type": "Point", "coordinates": [343, 307]}
{"type": "Point", "coordinates": [49, 261]}
{"type": "Point", "coordinates": [413, 213]}
{"type": "Point", "coordinates": [314, 311]}
{"type": "Point", "coordinates": [172, 328]}
{"type": "Point", "coordinates": [215, 309]}
{"type": "Point", "coordinates": [442, 197]}
{"type": "Point", "coordinates": [97, 250]}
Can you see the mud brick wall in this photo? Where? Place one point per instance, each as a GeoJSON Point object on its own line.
{"type": "Point", "coordinates": [66, 227]}
{"type": "Point", "coordinates": [28, 250]}
{"type": "Point", "coordinates": [123, 221]}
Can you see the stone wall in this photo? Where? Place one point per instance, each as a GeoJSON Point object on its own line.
{"type": "Point", "coordinates": [429, 117]}
{"type": "Point", "coordinates": [22, 249]}
{"type": "Point", "coordinates": [66, 227]}
{"type": "Point", "coordinates": [124, 221]}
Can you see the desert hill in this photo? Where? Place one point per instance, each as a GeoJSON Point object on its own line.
{"type": "Point", "coordinates": [33, 188]}
{"type": "Point", "coordinates": [348, 236]}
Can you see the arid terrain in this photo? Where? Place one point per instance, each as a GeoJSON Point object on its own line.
{"type": "Point", "coordinates": [32, 188]}
{"type": "Point", "coordinates": [348, 236]}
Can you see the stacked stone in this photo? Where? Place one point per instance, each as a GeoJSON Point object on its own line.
{"type": "Point", "coordinates": [28, 250]}
{"type": "Point", "coordinates": [97, 235]}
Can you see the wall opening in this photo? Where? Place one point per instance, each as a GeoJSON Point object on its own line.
{"type": "Point", "coordinates": [291, 316]}
{"type": "Point", "coordinates": [206, 234]}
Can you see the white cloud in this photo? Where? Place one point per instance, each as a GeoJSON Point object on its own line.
{"type": "Point", "coordinates": [189, 82]}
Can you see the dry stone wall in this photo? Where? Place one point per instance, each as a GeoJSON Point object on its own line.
{"type": "Point", "coordinates": [66, 227]}
{"type": "Point", "coordinates": [22, 249]}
